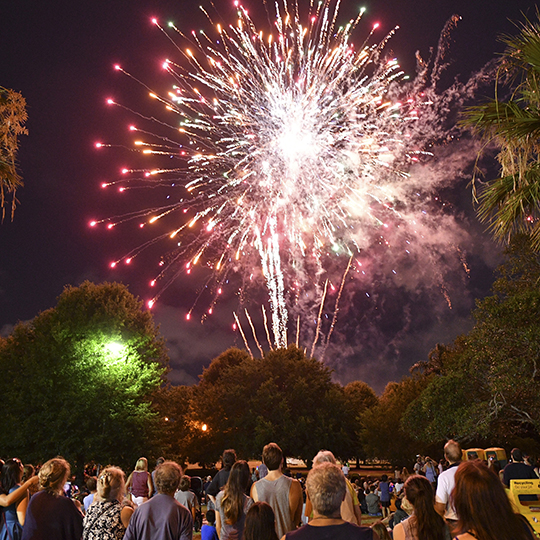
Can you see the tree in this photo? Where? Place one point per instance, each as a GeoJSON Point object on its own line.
{"type": "Point", "coordinates": [488, 387]}
{"type": "Point", "coordinates": [174, 405]}
{"type": "Point", "coordinates": [284, 397]}
{"type": "Point", "coordinates": [12, 118]}
{"type": "Point", "coordinates": [382, 435]}
{"type": "Point", "coordinates": [511, 203]}
{"type": "Point", "coordinates": [359, 397]}
{"type": "Point", "coordinates": [78, 379]}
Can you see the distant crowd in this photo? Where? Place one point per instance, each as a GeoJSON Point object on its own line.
{"type": "Point", "coordinates": [446, 500]}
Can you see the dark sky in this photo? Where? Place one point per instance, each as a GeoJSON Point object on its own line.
{"type": "Point", "coordinates": [59, 55]}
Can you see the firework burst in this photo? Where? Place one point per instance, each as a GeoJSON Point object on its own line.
{"type": "Point", "coordinates": [292, 147]}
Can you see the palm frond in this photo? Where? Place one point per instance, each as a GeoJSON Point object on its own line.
{"type": "Point", "coordinates": [503, 120]}
{"type": "Point", "coordinates": [511, 204]}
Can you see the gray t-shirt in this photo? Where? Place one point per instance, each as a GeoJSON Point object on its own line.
{"type": "Point", "coordinates": [276, 494]}
{"type": "Point", "coordinates": [236, 530]}
{"type": "Point", "coordinates": [187, 498]}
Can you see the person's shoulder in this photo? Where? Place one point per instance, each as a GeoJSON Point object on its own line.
{"type": "Point", "coordinates": [248, 502]}
{"type": "Point", "coordinates": [357, 532]}
{"type": "Point", "coordinates": [448, 474]}
{"type": "Point", "coordinates": [172, 501]}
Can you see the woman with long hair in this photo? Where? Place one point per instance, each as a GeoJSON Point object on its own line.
{"type": "Point", "coordinates": [107, 517]}
{"type": "Point", "coordinates": [232, 503]}
{"type": "Point", "coordinates": [50, 513]}
{"type": "Point", "coordinates": [483, 508]}
{"type": "Point", "coordinates": [260, 523]}
{"type": "Point", "coordinates": [139, 482]}
{"type": "Point", "coordinates": [425, 523]}
{"type": "Point", "coordinates": [405, 474]}
{"type": "Point", "coordinates": [12, 516]}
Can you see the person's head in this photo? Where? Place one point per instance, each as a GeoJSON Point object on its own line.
{"type": "Point", "coordinates": [167, 477]}
{"type": "Point", "coordinates": [324, 456]}
{"type": "Point", "coordinates": [239, 476]}
{"type": "Point", "coordinates": [260, 523]}
{"type": "Point", "coordinates": [452, 451]}
{"type": "Point", "coordinates": [381, 530]}
{"type": "Point", "coordinates": [159, 461]}
{"type": "Point", "coordinates": [272, 456]}
{"type": "Point", "coordinates": [517, 455]}
{"type": "Point", "coordinates": [228, 458]}
{"type": "Point", "coordinates": [12, 472]}
{"type": "Point", "coordinates": [384, 478]}
{"type": "Point", "coordinates": [91, 484]}
{"type": "Point", "coordinates": [211, 517]}
{"type": "Point", "coordinates": [326, 487]}
{"type": "Point", "coordinates": [185, 483]}
{"type": "Point", "coordinates": [111, 484]}
{"type": "Point", "coordinates": [494, 465]}
{"type": "Point", "coordinates": [419, 493]}
{"type": "Point", "coordinates": [142, 464]}
{"type": "Point", "coordinates": [28, 472]}
{"type": "Point", "coordinates": [53, 475]}
{"type": "Point", "coordinates": [482, 505]}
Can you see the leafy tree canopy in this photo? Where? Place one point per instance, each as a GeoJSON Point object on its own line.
{"type": "Point", "coordinates": [382, 433]}
{"type": "Point", "coordinates": [488, 384]}
{"type": "Point", "coordinates": [284, 397]}
{"type": "Point", "coordinates": [78, 379]}
{"type": "Point", "coordinates": [511, 203]}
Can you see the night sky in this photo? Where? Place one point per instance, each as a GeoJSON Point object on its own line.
{"type": "Point", "coordinates": [60, 56]}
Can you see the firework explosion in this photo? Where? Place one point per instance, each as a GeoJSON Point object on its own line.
{"type": "Point", "coordinates": [293, 150]}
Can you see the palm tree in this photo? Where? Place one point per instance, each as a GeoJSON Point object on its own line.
{"type": "Point", "coordinates": [511, 203]}
{"type": "Point", "coordinates": [12, 118]}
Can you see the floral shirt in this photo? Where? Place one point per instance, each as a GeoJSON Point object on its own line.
{"type": "Point", "coordinates": [103, 522]}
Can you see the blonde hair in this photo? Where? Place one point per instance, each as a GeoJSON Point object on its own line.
{"type": "Point", "coordinates": [324, 456]}
{"type": "Point", "coordinates": [142, 464]}
{"type": "Point", "coordinates": [53, 475]}
{"type": "Point", "coordinates": [111, 484]}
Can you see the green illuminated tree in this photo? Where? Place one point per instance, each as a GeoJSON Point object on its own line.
{"type": "Point", "coordinates": [78, 379]}
{"type": "Point", "coordinates": [12, 118]}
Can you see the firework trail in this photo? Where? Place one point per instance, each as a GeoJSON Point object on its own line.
{"type": "Point", "coordinates": [292, 149]}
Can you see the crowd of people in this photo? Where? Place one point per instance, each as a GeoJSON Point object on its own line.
{"type": "Point", "coordinates": [447, 500]}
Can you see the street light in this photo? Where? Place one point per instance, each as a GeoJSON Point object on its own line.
{"type": "Point", "coordinates": [115, 352]}
{"type": "Point", "coordinates": [115, 348]}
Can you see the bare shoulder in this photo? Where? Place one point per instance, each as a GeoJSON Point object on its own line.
{"type": "Point", "coordinates": [295, 485]}
{"type": "Point", "coordinates": [399, 532]}
{"type": "Point", "coordinates": [253, 492]}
